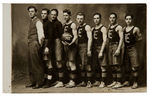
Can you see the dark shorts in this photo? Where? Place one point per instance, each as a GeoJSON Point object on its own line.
{"type": "Point", "coordinates": [96, 60]}
{"type": "Point", "coordinates": [58, 49]}
{"type": "Point", "coordinates": [113, 60]}
{"type": "Point", "coordinates": [82, 51]}
{"type": "Point", "coordinates": [70, 52]}
{"type": "Point", "coordinates": [131, 56]}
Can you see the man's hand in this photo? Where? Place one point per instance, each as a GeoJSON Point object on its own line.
{"type": "Point", "coordinates": [70, 44]}
{"type": "Point", "coordinates": [117, 53]}
{"type": "Point", "coordinates": [41, 41]}
{"type": "Point", "coordinates": [100, 55]}
{"type": "Point", "coordinates": [65, 43]}
{"type": "Point", "coordinates": [46, 50]}
{"type": "Point", "coordinates": [89, 53]}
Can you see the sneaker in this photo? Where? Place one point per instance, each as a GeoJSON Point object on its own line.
{"type": "Point", "coordinates": [126, 83]}
{"type": "Point", "coordinates": [89, 85]}
{"type": "Point", "coordinates": [59, 84]}
{"type": "Point", "coordinates": [102, 85]}
{"type": "Point", "coordinates": [112, 84]}
{"type": "Point", "coordinates": [135, 85]}
{"type": "Point", "coordinates": [96, 83]}
{"type": "Point", "coordinates": [71, 84]}
{"type": "Point", "coordinates": [118, 85]}
{"type": "Point", "coordinates": [82, 84]}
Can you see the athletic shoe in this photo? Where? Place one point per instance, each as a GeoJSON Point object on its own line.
{"type": "Point", "coordinates": [135, 85]}
{"type": "Point", "coordinates": [112, 84]}
{"type": "Point", "coordinates": [126, 83]}
{"type": "Point", "coordinates": [118, 85]}
{"type": "Point", "coordinates": [71, 84]}
{"type": "Point", "coordinates": [96, 83]}
{"type": "Point", "coordinates": [102, 85]}
{"type": "Point", "coordinates": [59, 84]}
{"type": "Point", "coordinates": [82, 84]}
{"type": "Point", "coordinates": [89, 85]}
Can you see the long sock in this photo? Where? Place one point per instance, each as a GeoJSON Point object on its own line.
{"type": "Point", "coordinates": [89, 76]}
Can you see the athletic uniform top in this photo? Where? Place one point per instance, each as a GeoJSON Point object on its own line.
{"type": "Point", "coordinates": [129, 37]}
{"type": "Point", "coordinates": [57, 28]}
{"type": "Point", "coordinates": [32, 33]}
{"type": "Point", "coordinates": [97, 36]}
{"type": "Point", "coordinates": [113, 35]}
{"type": "Point", "coordinates": [48, 32]}
{"type": "Point", "coordinates": [82, 35]}
{"type": "Point", "coordinates": [67, 28]}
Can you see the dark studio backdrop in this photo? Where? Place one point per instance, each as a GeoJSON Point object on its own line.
{"type": "Point", "coordinates": [20, 24]}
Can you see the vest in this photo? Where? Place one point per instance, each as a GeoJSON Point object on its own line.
{"type": "Point", "coordinates": [32, 33]}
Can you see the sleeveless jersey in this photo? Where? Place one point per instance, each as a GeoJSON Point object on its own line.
{"type": "Point", "coordinates": [113, 36]}
{"type": "Point", "coordinates": [67, 28]}
{"type": "Point", "coordinates": [82, 35]}
{"type": "Point", "coordinates": [97, 36]}
{"type": "Point", "coordinates": [129, 37]}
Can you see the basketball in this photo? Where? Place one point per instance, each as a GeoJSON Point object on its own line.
{"type": "Point", "coordinates": [67, 37]}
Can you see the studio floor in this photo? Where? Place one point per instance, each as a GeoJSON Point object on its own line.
{"type": "Point", "coordinates": [18, 87]}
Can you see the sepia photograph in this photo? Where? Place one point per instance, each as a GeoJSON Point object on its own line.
{"type": "Point", "coordinates": [78, 48]}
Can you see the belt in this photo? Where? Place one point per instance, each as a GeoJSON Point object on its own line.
{"type": "Point", "coordinates": [113, 43]}
{"type": "Point", "coordinates": [129, 46]}
{"type": "Point", "coordinates": [31, 40]}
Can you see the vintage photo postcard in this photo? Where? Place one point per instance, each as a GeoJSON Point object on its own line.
{"type": "Point", "coordinates": [76, 48]}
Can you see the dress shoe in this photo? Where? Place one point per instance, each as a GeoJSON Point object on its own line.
{"type": "Point", "coordinates": [30, 85]}
{"type": "Point", "coordinates": [36, 87]}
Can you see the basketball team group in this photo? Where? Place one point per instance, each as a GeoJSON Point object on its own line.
{"type": "Point", "coordinates": [77, 55]}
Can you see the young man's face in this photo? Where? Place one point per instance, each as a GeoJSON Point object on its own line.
{"type": "Point", "coordinates": [44, 14]}
{"type": "Point", "coordinates": [128, 20]}
{"type": "Point", "coordinates": [80, 19]}
{"type": "Point", "coordinates": [32, 12]}
{"type": "Point", "coordinates": [96, 19]}
{"type": "Point", "coordinates": [66, 17]}
{"type": "Point", "coordinates": [112, 19]}
{"type": "Point", "coordinates": [53, 15]}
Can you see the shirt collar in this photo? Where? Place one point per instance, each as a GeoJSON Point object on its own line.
{"type": "Point", "coordinates": [33, 18]}
{"type": "Point", "coordinates": [54, 20]}
{"type": "Point", "coordinates": [68, 22]}
{"type": "Point", "coordinates": [113, 25]}
{"type": "Point", "coordinates": [46, 19]}
{"type": "Point", "coordinates": [82, 25]}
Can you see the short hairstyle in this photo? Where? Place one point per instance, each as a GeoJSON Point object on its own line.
{"type": "Point", "coordinates": [32, 7]}
{"type": "Point", "coordinates": [97, 14]}
{"type": "Point", "coordinates": [67, 11]}
{"type": "Point", "coordinates": [55, 11]}
{"type": "Point", "coordinates": [81, 14]}
{"type": "Point", "coordinates": [128, 14]}
{"type": "Point", "coordinates": [45, 9]}
{"type": "Point", "coordinates": [113, 14]}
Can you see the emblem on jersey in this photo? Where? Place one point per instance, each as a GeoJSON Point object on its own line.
{"type": "Point", "coordinates": [127, 39]}
{"type": "Point", "coordinates": [95, 34]}
{"type": "Point", "coordinates": [80, 32]}
{"type": "Point", "coordinates": [66, 28]}
{"type": "Point", "coordinates": [110, 34]}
